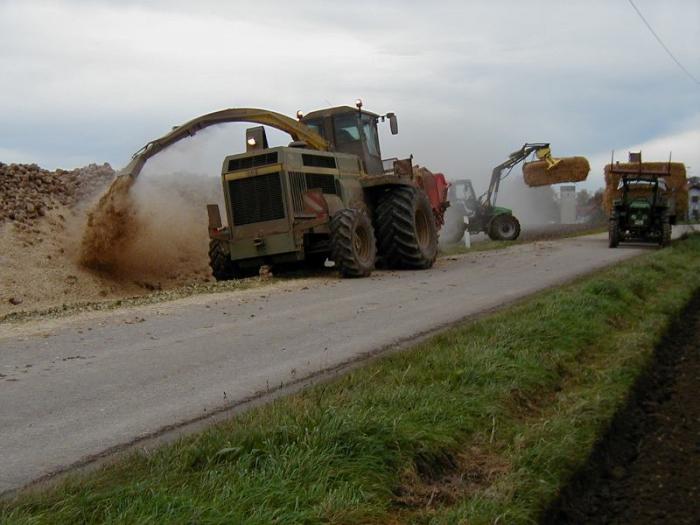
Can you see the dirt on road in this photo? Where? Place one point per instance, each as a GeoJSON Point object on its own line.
{"type": "Point", "coordinates": [646, 470]}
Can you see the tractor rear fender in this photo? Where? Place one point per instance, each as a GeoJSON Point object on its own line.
{"type": "Point", "coordinates": [433, 185]}
{"type": "Point", "coordinates": [374, 189]}
{"type": "Point", "coordinates": [495, 211]}
{"type": "Point", "coordinates": [499, 210]}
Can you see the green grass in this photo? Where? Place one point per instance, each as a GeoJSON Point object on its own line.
{"type": "Point", "coordinates": [487, 420]}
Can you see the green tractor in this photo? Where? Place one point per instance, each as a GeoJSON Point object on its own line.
{"type": "Point", "coordinates": [497, 222]}
{"type": "Point", "coordinates": [481, 213]}
{"type": "Point", "coordinates": [641, 213]}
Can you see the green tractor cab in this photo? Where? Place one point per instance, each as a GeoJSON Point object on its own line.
{"type": "Point", "coordinates": [641, 214]}
{"type": "Point", "coordinates": [497, 222]}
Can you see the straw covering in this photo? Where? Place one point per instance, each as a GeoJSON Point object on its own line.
{"type": "Point", "coordinates": [672, 173]}
{"type": "Point", "coordinates": [568, 169]}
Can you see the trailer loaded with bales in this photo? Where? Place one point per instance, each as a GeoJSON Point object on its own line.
{"type": "Point", "coordinates": [644, 199]}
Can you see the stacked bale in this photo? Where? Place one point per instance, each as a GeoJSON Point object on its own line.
{"type": "Point", "coordinates": [568, 169]}
{"type": "Point", "coordinates": [672, 173]}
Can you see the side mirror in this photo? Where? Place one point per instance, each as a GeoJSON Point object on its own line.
{"type": "Point", "coordinates": [393, 123]}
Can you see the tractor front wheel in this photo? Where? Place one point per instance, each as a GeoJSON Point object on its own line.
{"type": "Point", "coordinates": [665, 231]}
{"type": "Point", "coordinates": [353, 247]}
{"type": "Point", "coordinates": [613, 233]}
{"type": "Point", "coordinates": [222, 267]}
{"type": "Point", "coordinates": [406, 229]}
{"type": "Point", "coordinates": [504, 228]}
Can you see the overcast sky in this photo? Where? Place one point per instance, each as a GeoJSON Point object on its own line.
{"type": "Point", "coordinates": [92, 81]}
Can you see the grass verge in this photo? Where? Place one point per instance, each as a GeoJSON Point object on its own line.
{"type": "Point", "coordinates": [484, 422]}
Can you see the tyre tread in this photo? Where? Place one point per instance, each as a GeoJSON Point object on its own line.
{"type": "Point", "coordinates": [396, 232]}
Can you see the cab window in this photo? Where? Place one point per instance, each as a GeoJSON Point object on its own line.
{"type": "Point", "coordinates": [346, 129]}
{"type": "Point", "coordinates": [370, 132]}
{"type": "Point", "coordinates": [317, 126]}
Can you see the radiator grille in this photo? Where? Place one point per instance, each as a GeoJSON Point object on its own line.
{"type": "Point", "coordinates": [256, 199]}
{"type": "Point", "coordinates": [252, 162]}
{"type": "Point", "coordinates": [318, 161]}
{"type": "Point", "coordinates": [300, 182]}
{"type": "Point", "coordinates": [326, 183]}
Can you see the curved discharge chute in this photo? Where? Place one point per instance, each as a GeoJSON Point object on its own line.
{"type": "Point", "coordinates": [113, 223]}
{"type": "Point", "coordinates": [297, 130]}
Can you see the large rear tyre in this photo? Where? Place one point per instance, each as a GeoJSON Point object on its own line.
{"type": "Point", "coordinates": [222, 267]}
{"type": "Point", "coordinates": [406, 229]}
{"type": "Point", "coordinates": [613, 233]}
{"type": "Point", "coordinates": [504, 227]}
{"type": "Point", "coordinates": [353, 247]}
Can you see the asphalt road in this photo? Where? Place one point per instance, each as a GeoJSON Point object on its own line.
{"type": "Point", "coordinates": [73, 388]}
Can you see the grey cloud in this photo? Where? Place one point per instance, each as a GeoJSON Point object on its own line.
{"type": "Point", "coordinates": [469, 80]}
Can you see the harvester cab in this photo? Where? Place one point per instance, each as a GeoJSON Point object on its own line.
{"type": "Point", "coordinates": [353, 131]}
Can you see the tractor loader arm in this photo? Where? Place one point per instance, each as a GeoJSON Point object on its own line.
{"type": "Point", "coordinates": [541, 150]}
{"type": "Point", "coordinates": [297, 130]}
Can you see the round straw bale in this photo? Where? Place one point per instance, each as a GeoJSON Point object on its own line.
{"type": "Point", "coordinates": [568, 169]}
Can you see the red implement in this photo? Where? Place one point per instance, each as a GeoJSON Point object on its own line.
{"type": "Point", "coordinates": [435, 186]}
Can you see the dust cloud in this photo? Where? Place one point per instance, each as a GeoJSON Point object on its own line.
{"type": "Point", "coordinates": [154, 227]}
{"type": "Point", "coordinates": [110, 225]}
{"type": "Point", "coordinates": [532, 206]}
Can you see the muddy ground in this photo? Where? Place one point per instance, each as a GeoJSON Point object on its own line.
{"type": "Point", "coordinates": [646, 470]}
